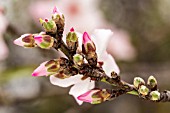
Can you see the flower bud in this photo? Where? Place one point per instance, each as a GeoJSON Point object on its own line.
{"type": "Point", "coordinates": [26, 40]}
{"type": "Point", "coordinates": [138, 81]}
{"type": "Point", "coordinates": [47, 68]}
{"type": "Point", "coordinates": [44, 41]}
{"type": "Point", "coordinates": [143, 90]}
{"type": "Point", "coordinates": [57, 16]}
{"type": "Point", "coordinates": [152, 82]}
{"type": "Point", "coordinates": [48, 25]}
{"type": "Point", "coordinates": [89, 49]}
{"type": "Point", "coordinates": [95, 96]}
{"type": "Point", "coordinates": [155, 95]}
{"type": "Point", "coordinates": [78, 59]}
{"type": "Point", "coordinates": [72, 40]}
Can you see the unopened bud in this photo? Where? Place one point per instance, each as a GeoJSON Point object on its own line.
{"type": "Point", "coordinates": [26, 40]}
{"type": "Point", "coordinates": [143, 90]}
{"type": "Point", "coordinates": [155, 95]}
{"type": "Point", "coordinates": [57, 16]}
{"type": "Point", "coordinates": [152, 82]}
{"type": "Point", "coordinates": [72, 40]}
{"type": "Point", "coordinates": [89, 49]}
{"type": "Point", "coordinates": [78, 59]}
{"type": "Point", "coordinates": [48, 25]}
{"type": "Point", "coordinates": [95, 96]}
{"type": "Point", "coordinates": [47, 68]}
{"type": "Point", "coordinates": [138, 81]}
{"type": "Point", "coordinates": [44, 41]}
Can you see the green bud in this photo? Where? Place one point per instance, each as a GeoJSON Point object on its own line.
{"type": "Point", "coordinates": [72, 40]}
{"type": "Point", "coordinates": [78, 59]}
{"type": "Point", "coordinates": [48, 25]}
{"type": "Point", "coordinates": [155, 95]}
{"type": "Point", "coordinates": [152, 82]}
{"type": "Point", "coordinates": [143, 90]}
{"type": "Point", "coordinates": [138, 81]}
{"type": "Point", "coordinates": [53, 66]}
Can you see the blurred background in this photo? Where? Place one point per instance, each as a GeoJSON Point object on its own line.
{"type": "Point", "coordinates": [140, 45]}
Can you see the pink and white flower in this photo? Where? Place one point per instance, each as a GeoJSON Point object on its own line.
{"type": "Point", "coordinates": [101, 38]}
{"type": "Point", "coordinates": [78, 14]}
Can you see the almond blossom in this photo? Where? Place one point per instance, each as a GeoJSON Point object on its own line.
{"type": "Point", "coordinates": [78, 14]}
{"type": "Point", "coordinates": [80, 86]}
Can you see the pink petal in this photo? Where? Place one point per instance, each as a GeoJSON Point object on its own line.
{"type": "Point", "coordinates": [86, 38]}
{"type": "Point", "coordinates": [19, 41]}
{"type": "Point", "coordinates": [81, 88]}
{"type": "Point", "coordinates": [38, 39]}
{"type": "Point", "coordinates": [56, 11]}
{"type": "Point", "coordinates": [87, 97]}
{"type": "Point", "coordinates": [41, 70]}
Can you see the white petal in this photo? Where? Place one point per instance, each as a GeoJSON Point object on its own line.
{"type": "Point", "coordinates": [65, 82]}
{"type": "Point", "coordinates": [101, 38]}
{"type": "Point", "coordinates": [109, 64]}
{"type": "Point", "coordinates": [81, 88]}
{"type": "Point", "coordinates": [80, 39]}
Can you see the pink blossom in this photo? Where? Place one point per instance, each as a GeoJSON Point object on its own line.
{"type": "Point", "coordinates": [78, 14]}
{"type": "Point", "coordinates": [79, 86]}
{"type": "Point", "coordinates": [82, 86]}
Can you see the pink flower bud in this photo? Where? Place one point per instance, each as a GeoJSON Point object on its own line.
{"type": "Point", "coordinates": [87, 97]}
{"type": "Point", "coordinates": [89, 49]}
{"type": "Point", "coordinates": [95, 96]}
{"type": "Point", "coordinates": [47, 68]}
{"type": "Point", "coordinates": [25, 40]}
{"type": "Point", "coordinates": [44, 41]}
{"type": "Point", "coordinates": [56, 11]}
{"type": "Point", "coordinates": [86, 38]}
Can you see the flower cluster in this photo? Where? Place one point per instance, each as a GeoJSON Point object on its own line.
{"type": "Point", "coordinates": [65, 72]}
{"type": "Point", "coordinates": [86, 62]}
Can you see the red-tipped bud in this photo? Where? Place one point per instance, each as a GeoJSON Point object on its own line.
{"type": "Point", "coordinates": [72, 40]}
{"type": "Point", "coordinates": [57, 16]}
{"type": "Point", "coordinates": [48, 25]}
{"type": "Point", "coordinates": [89, 49]}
